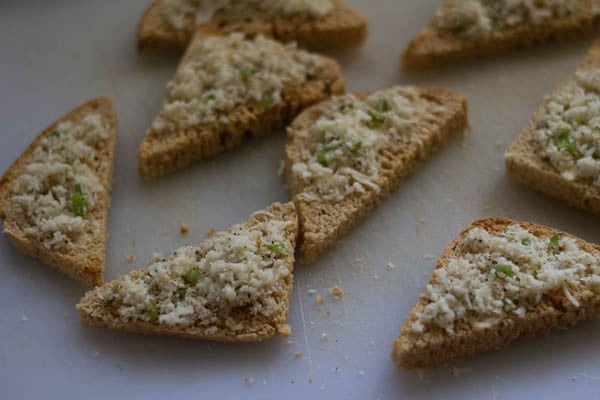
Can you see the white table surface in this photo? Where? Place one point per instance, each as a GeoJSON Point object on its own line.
{"type": "Point", "coordinates": [56, 54]}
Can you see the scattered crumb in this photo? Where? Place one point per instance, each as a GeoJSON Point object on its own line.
{"type": "Point", "coordinates": [328, 312]}
{"type": "Point", "coordinates": [156, 256]}
{"type": "Point", "coordinates": [312, 291]}
{"type": "Point", "coordinates": [164, 231]}
{"type": "Point", "coordinates": [319, 299]}
{"type": "Point", "coordinates": [361, 373]}
{"type": "Point", "coordinates": [335, 370]}
{"type": "Point", "coordinates": [458, 372]}
{"type": "Point", "coordinates": [376, 277]}
{"type": "Point", "coordinates": [428, 257]}
{"type": "Point", "coordinates": [573, 378]}
{"type": "Point", "coordinates": [499, 143]}
{"type": "Point", "coordinates": [210, 231]}
{"type": "Point", "coordinates": [310, 380]}
{"type": "Point", "coordinates": [281, 168]}
{"type": "Point", "coordinates": [322, 388]}
{"type": "Point", "coordinates": [422, 220]}
{"type": "Point", "coordinates": [184, 229]}
{"type": "Point", "coordinates": [130, 257]}
{"type": "Point", "coordinates": [337, 292]}
{"type": "Point", "coordinates": [298, 354]}
{"type": "Point", "coordinates": [449, 200]}
{"type": "Point", "coordinates": [249, 380]}
{"type": "Point", "coordinates": [290, 341]}
{"type": "Point", "coordinates": [312, 323]}
{"type": "Point", "coordinates": [24, 318]}
{"type": "Point", "coordinates": [324, 337]}
{"type": "Point", "coordinates": [133, 243]}
{"type": "Point", "coordinates": [95, 353]}
{"type": "Point", "coordinates": [390, 265]}
{"type": "Point", "coordinates": [372, 343]}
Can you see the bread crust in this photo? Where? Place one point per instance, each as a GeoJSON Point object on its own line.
{"type": "Point", "coordinates": [162, 154]}
{"type": "Point", "coordinates": [83, 264]}
{"type": "Point", "coordinates": [343, 27]}
{"type": "Point", "coordinates": [436, 347]}
{"type": "Point", "coordinates": [322, 223]}
{"type": "Point", "coordinates": [257, 328]}
{"type": "Point", "coordinates": [527, 166]}
{"type": "Point", "coordinates": [432, 48]}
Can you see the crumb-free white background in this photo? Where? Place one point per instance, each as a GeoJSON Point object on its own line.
{"type": "Point", "coordinates": [56, 54]}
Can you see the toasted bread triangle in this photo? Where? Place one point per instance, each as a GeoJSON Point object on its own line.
{"type": "Point", "coordinates": [526, 165]}
{"type": "Point", "coordinates": [343, 27]}
{"type": "Point", "coordinates": [85, 260]}
{"type": "Point", "coordinates": [435, 346]}
{"type": "Point", "coordinates": [323, 223]}
{"type": "Point", "coordinates": [94, 310]}
{"type": "Point", "coordinates": [432, 47]}
{"type": "Point", "coordinates": [160, 154]}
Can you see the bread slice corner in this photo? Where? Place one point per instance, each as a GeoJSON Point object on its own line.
{"type": "Point", "coordinates": [433, 48]}
{"type": "Point", "coordinates": [435, 347]}
{"type": "Point", "coordinates": [527, 166]}
{"type": "Point", "coordinates": [154, 34]}
{"type": "Point", "coordinates": [86, 262]}
{"type": "Point", "coordinates": [162, 154]}
{"type": "Point", "coordinates": [324, 223]}
{"type": "Point", "coordinates": [94, 311]}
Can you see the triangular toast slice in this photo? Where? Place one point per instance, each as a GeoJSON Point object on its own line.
{"type": "Point", "coordinates": [345, 155]}
{"type": "Point", "coordinates": [316, 24]}
{"type": "Point", "coordinates": [229, 88]}
{"type": "Point", "coordinates": [464, 29]}
{"type": "Point", "coordinates": [54, 199]}
{"type": "Point", "coordinates": [497, 281]}
{"type": "Point", "coordinates": [558, 152]}
{"type": "Point", "coordinates": [234, 286]}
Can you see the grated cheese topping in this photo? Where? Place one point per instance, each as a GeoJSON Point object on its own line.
{"type": "Point", "coordinates": [342, 155]}
{"type": "Point", "coordinates": [504, 274]}
{"type": "Point", "coordinates": [185, 14]}
{"type": "Point", "coordinates": [222, 73]}
{"type": "Point", "coordinates": [242, 270]}
{"type": "Point", "coordinates": [480, 18]}
{"type": "Point", "coordinates": [568, 133]}
{"type": "Point", "coordinates": [58, 186]}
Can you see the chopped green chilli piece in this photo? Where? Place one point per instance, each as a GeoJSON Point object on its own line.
{"type": "Point", "coordinates": [192, 276]}
{"type": "Point", "coordinates": [267, 100]}
{"type": "Point", "coordinates": [323, 151]}
{"type": "Point", "coordinates": [152, 310]}
{"type": "Point", "coordinates": [564, 142]}
{"type": "Point", "coordinates": [79, 202]}
{"type": "Point", "coordinates": [211, 97]}
{"type": "Point", "coordinates": [245, 74]}
{"type": "Point", "coordinates": [55, 133]}
{"type": "Point", "coordinates": [376, 117]}
{"type": "Point", "coordinates": [275, 247]}
{"type": "Point", "coordinates": [181, 291]}
{"type": "Point", "coordinates": [358, 146]}
{"type": "Point", "coordinates": [554, 240]}
{"type": "Point", "coordinates": [506, 270]}
{"type": "Point", "coordinates": [596, 154]}
{"type": "Point", "coordinates": [526, 242]}
{"type": "Point", "coordinates": [384, 104]}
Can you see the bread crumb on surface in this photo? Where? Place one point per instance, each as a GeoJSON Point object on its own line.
{"type": "Point", "coordinates": [184, 229]}
{"type": "Point", "coordinates": [95, 353]}
{"type": "Point", "coordinates": [573, 378]}
{"type": "Point", "coordinates": [249, 380]}
{"type": "Point", "coordinates": [133, 243]}
{"type": "Point", "coordinates": [24, 318]}
{"type": "Point", "coordinates": [324, 337]}
{"type": "Point", "coordinates": [390, 265]}
{"type": "Point", "coordinates": [428, 257]}
{"type": "Point", "coordinates": [210, 231]}
{"type": "Point", "coordinates": [337, 292]}
{"type": "Point", "coordinates": [310, 380]}
{"type": "Point", "coordinates": [298, 354]}
{"type": "Point", "coordinates": [312, 291]}
{"type": "Point", "coordinates": [130, 258]}
{"type": "Point", "coordinates": [319, 299]}
{"type": "Point", "coordinates": [361, 373]}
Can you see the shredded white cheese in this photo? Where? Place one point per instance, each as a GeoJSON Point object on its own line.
{"type": "Point", "coordinates": [504, 274]}
{"type": "Point", "coordinates": [185, 14]}
{"type": "Point", "coordinates": [480, 18]}
{"type": "Point", "coordinates": [568, 132]}
{"type": "Point", "coordinates": [342, 156]}
{"type": "Point", "coordinates": [62, 164]}
{"type": "Point", "coordinates": [222, 73]}
{"type": "Point", "coordinates": [242, 270]}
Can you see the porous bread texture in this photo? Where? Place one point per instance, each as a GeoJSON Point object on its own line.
{"type": "Point", "coordinates": [324, 222]}
{"type": "Point", "coordinates": [526, 164]}
{"type": "Point", "coordinates": [83, 259]}
{"type": "Point", "coordinates": [433, 47]}
{"type": "Point", "coordinates": [555, 310]}
{"type": "Point", "coordinates": [342, 27]}
{"type": "Point", "coordinates": [167, 151]}
{"type": "Point", "coordinates": [96, 308]}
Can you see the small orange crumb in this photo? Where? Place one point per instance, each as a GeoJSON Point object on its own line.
{"type": "Point", "coordinates": [328, 312]}
{"type": "Point", "coordinates": [133, 243]}
{"type": "Point", "coordinates": [184, 229]}
{"type": "Point", "coordinates": [298, 354]}
{"type": "Point", "coordinates": [130, 258]}
{"type": "Point", "coordinates": [337, 292]}
{"type": "Point", "coordinates": [319, 299]}
{"type": "Point", "coordinates": [210, 231]}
